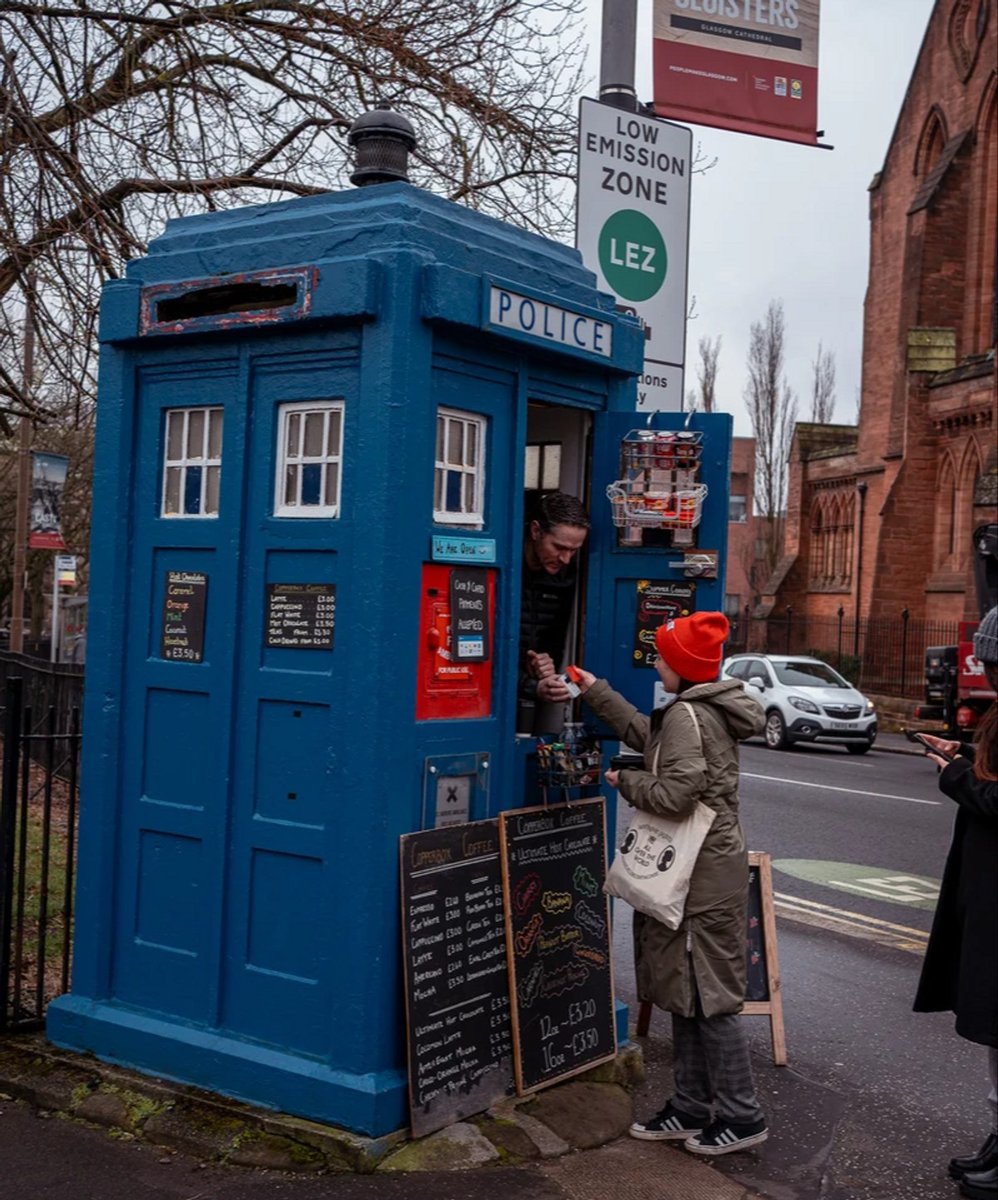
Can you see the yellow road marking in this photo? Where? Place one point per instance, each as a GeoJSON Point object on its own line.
{"type": "Point", "coordinates": [840, 920]}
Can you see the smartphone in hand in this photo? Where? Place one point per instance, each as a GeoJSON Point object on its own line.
{"type": "Point", "coordinates": [920, 738]}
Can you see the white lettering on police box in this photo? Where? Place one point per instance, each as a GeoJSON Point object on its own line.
{"type": "Point", "coordinates": [549, 323]}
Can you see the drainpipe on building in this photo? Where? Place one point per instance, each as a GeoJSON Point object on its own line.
{"type": "Point", "coordinates": [861, 488]}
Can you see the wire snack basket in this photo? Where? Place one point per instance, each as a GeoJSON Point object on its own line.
{"type": "Point", "coordinates": [680, 509]}
{"type": "Point", "coordinates": [658, 488]}
{"type": "Point", "coordinates": [573, 759]}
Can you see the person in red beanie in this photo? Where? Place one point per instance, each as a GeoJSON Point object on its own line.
{"type": "Point", "coordinates": [697, 973]}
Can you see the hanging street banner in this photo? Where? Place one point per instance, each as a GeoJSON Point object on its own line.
{"type": "Point", "coordinates": [48, 477]}
{"type": "Point", "coordinates": [750, 66]}
{"type": "Point", "coordinates": [633, 229]}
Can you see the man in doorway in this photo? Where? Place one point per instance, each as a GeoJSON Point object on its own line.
{"type": "Point", "coordinates": [556, 528]}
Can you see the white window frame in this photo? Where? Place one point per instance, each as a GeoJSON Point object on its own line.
{"type": "Point", "coordinates": [473, 518]}
{"type": "Point", "coordinates": [204, 461]}
{"type": "Point", "coordinates": [283, 460]}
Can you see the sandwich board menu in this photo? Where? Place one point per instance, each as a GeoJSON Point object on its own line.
{"type": "Point", "coordinates": [457, 985]}
{"type": "Point", "coordinates": [558, 940]}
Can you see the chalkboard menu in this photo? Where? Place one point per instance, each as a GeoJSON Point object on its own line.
{"type": "Point", "coordinates": [185, 598]}
{"type": "Point", "coordinates": [457, 985]}
{"type": "Point", "coordinates": [659, 600]}
{"type": "Point", "coordinates": [469, 614]}
{"type": "Point", "coordinates": [301, 616]}
{"type": "Point", "coordinates": [755, 940]}
{"type": "Point", "coordinates": [558, 940]}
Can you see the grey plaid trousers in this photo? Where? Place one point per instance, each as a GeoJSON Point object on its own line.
{"type": "Point", "coordinates": [712, 1068]}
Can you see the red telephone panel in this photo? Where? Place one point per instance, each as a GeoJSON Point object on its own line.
{"type": "Point", "coordinates": [445, 687]}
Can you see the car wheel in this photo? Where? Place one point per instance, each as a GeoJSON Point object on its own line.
{"type": "Point", "coordinates": [858, 747]}
{"type": "Point", "coordinates": [776, 731]}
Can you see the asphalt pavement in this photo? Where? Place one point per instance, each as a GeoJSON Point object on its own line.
{"type": "Point", "coordinates": [873, 1103]}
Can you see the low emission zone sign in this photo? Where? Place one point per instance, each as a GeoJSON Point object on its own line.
{"type": "Point", "coordinates": [632, 228]}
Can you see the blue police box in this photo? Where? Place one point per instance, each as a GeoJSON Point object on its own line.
{"type": "Point", "coordinates": [313, 417]}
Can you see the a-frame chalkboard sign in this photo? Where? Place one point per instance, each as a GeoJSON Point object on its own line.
{"type": "Point", "coordinates": [558, 940]}
{"type": "Point", "coordinates": [763, 994]}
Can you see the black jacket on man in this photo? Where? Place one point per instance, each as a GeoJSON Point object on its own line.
{"type": "Point", "coordinates": [545, 612]}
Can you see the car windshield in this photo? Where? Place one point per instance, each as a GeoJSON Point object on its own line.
{"type": "Point", "coordinates": [808, 674]}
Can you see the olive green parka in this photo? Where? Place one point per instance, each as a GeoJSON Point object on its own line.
{"type": "Point", "coordinates": [705, 957]}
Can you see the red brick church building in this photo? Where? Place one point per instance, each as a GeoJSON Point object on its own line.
{"type": "Point", "coordinates": [880, 516]}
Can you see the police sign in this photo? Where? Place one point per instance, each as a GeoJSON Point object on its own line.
{"type": "Point", "coordinates": [632, 228]}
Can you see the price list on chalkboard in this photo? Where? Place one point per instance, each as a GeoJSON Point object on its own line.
{"type": "Point", "coordinates": [185, 597]}
{"type": "Point", "coordinates": [658, 601]}
{"type": "Point", "coordinates": [301, 616]}
{"type": "Point", "coordinates": [558, 940]}
{"type": "Point", "coordinates": [457, 985]}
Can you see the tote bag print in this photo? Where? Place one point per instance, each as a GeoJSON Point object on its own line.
{"type": "Point", "coordinates": [654, 866]}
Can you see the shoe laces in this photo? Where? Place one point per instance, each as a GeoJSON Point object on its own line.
{"type": "Point", "coordinates": [713, 1129]}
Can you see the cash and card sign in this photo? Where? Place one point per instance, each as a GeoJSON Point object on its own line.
{"type": "Point", "coordinates": [469, 614]}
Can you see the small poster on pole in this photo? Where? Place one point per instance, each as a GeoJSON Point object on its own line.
{"type": "Point", "coordinates": [48, 478]}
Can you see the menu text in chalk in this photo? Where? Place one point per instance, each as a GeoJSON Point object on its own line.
{"type": "Point", "coordinates": [185, 597]}
{"type": "Point", "coordinates": [558, 940]}
{"type": "Point", "coordinates": [301, 616]}
{"type": "Point", "coordinates": [457, 986]}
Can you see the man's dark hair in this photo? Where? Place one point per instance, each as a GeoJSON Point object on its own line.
{"type": "Point", "coordinates": [558, 508]}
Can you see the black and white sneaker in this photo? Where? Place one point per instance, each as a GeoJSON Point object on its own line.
{"type": "Point", "coordinates": [725, 1137]}
{"type": "Point", "coordinates": [669, 1125]}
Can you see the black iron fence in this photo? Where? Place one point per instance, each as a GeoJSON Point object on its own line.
{"type": "Point", "coordinates": [883, 655]}
{"type": "Point", "coordinates": [38, 811]}
{"type": "Point", "coordinates": [46, 685]}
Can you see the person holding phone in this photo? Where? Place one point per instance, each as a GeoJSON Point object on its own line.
{"type": "Point", "coordinates": [960, 972]}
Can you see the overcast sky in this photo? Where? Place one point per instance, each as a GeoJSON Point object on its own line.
{"type": "Point", "coordinates": [777, 220]}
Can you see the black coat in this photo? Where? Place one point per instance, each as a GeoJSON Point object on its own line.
{"type": "Point", "coordinates": [960, 972]}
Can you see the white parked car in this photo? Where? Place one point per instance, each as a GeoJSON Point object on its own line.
{"type": "Point", "coordinates": [805, 700]}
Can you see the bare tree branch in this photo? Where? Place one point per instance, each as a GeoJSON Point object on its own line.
{"type": "Point", "coordinates": [115, 118]}
{"type": "Point", "coordinates": [823, 387]}
{"type": "Point", "coordinates": [772, 409]}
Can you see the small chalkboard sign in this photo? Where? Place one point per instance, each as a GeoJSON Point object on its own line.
{"type": "Point", "coordinates": [469, 614]}
{"type": "Point", "coordinates": [301, 616]}
{"type": "Point", "coordinates": [456, 979]}
{"type": "Point", "coordinates": [558, 940]}
{"type": "Point", "coordinates": [185, 598]}
{"type": "Point", "coordinates": [658, 601]}
{"type": "Point", "coordinates": [756, 958]}
{"type": "Point", "coordinates": [763, 995]}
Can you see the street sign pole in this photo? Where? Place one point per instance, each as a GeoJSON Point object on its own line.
{"type": "Point", "coordinates": [616, 76]}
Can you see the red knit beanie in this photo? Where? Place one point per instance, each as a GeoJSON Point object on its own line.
{"type": "Point", "coordinates": [692, 646]}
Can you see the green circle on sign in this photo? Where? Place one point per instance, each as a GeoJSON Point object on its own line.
{"type": "Point", "coordinates": [632, 255]}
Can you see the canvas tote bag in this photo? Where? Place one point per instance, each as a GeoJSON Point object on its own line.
{"type": "Point", "coordinates": [654, 865]}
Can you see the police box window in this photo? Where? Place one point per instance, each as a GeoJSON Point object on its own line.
{"type": "Point", "coordinates": [459, 471]}
{"type": "Point", "coordinates": [192, 462]}
{"type": "Point", "coordinates": [309, 459]}
{"type": "Point", "coordinates": [542, 466]}
{"type": "Point", "coordinates": [737, 509]}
